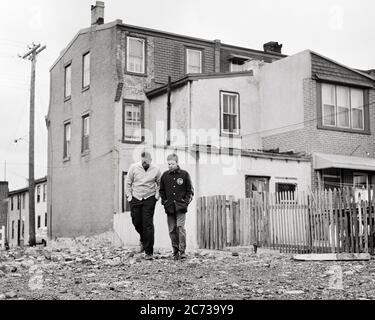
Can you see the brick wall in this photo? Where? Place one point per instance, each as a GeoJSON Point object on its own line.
{"type": "Point", "coordinates": [311, 139]}
{"type": "Point", "coordinates": [170, 58]}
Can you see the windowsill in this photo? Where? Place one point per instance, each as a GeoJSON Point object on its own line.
{"type": "Point", "coordinates": [67, 98]}
{"type": "Point", "coordinates": [230, 135]}
{"type": "Point", "coordinates": [132, 142]}
{"type": "Point", "coordinates": [348, 130]}
{"type": "Point", "coordinates": [136, 74]}
{"type": "Point", "coordinates": [66, 159]}
{"type": "Point", "coordinates": [85, 153]}
{"type": "Point", "coordinates": [86, 88]}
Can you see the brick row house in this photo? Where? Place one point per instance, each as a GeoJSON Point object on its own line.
{"type": "Point", "coordinates": [240, 119]}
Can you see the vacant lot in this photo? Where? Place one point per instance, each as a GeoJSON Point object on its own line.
{"type": "Point", "coordinates": [104, 272]}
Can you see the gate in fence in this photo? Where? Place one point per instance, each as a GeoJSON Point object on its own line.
{"type": "Point", "coordinates": [329, 221]}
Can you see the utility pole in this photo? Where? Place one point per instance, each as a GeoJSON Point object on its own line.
{"type": "Point", "coordinates": [31, 55]}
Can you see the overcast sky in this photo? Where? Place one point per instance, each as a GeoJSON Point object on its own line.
{"type": "Point", "coordinates": [342, 30]}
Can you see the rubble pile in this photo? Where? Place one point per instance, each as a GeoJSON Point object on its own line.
{"type": "Point", "coordinates": [85, 269]}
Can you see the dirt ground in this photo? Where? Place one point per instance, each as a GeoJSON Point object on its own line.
{"type": "Point", "coordinates": [85, 272]}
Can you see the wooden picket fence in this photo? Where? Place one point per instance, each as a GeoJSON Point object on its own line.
{"type": "Point", "coordinates": [2, 238]}
{"type": "Point", "coordinates": [329, 221]}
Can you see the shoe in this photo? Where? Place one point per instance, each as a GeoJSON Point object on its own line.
{"type": "Point", "coordinates": [183, 256]}
{"type": "Point", "coordinates": [176, 256]}
{"type": "Point", "coordinates": [141, 248]}
{"type": "Point", "coordinates": [149, 257]}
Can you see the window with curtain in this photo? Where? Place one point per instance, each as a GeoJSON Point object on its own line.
{"type": "Point", "coordinates": [86, 70]}
{"type": "Point", "coordinates": [342, 107]}
{"type": "Point", "coordinates": [132, 122]}
{"type": "Point", "coordinates": [229, 113]}
{"type": "Point", "coordinates": [135, 55]}
{"type": "Point", "coordinates": [68, 81]}
{"type": "Point", "coordinates": [194, 61]}
{"type": "Point", "coordinates": [67, 140]}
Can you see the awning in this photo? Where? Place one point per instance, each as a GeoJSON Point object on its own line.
{"type": "Point", "coordinates": [324, 161]}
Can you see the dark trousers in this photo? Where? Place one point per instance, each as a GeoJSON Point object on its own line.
{"type": "Point", "coordinates": [142, 213]}
{"type": "Point", "coordinates": [177, 232]}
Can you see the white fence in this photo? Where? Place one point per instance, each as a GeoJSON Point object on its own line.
{"type": "Point", "coordinates": [2, 238]}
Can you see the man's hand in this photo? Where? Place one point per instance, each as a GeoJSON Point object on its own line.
{"type": "Point", "coordinates": [157, 197]}
{"type": "Point", "coordinates": [130, 198]}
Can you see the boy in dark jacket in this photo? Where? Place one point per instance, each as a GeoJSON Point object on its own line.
{"type": "Point", "coordinates": [176, 192]}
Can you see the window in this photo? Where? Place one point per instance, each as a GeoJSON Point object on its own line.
{"type": "Point", "coordinates": [193, 61]}
{"type": "Point", "coordinates": [38, 194]}
{"type": "Point", "coordinates": [44, 192]}
{"type": "Point", "coordinates": [230, 113]}
{"type": "Point", "coordinates": [342, 107]}
{"type": "Point", "coordinates": [39, 221]}
{"type": "Point", "coordinates": [239, 64]}
{"type": "Point", "coordinates": [18, 201]}
{"type": "Point", "coordinates": [285, 191]}
{"type": "Point", "coordinates": [23, 228]}
{"type": "Point", "coordinates": [133, 121]}
{"type": "Point", "coordinates": [68, 81]}
{"type": "Point", "coordinates": [255, 184]}
{"type": "Point", "coordinates": [12, 229]}
{"type": "Point", "coordinates": [23, 200]}
{"type": "Point", "coordinates": [86, 70]}
{"type": "Point", "coordinates": [45, 219]}
{"type": "Point", "coordinates": [85, 132]}
{"type": "Point", "coordinates": [11, 203]}
{"type": "Point", "coordinates": [67, 134]}
{"type": "Point", "coordinates": [135, 55]}
{"type": "Point", "coordinates": [125, 203]}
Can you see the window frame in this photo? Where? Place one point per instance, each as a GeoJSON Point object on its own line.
{"type": "Point", "coordinates": [142, 109]}
{"type": "Point", "coordinates": [144, 40]}
{"type": "Point", "coordinates": [44, 192]}
{"type": "Point", "coordinates": [66, 155]}
{"type": "Point", "coordinates": [200, 50]}
{"type": "Point", "coordinates": [66, 66]}
{"type": "Point", "coordinates": [38, 193]}
{"type": "Point", "coordinates": [83, 118]}
{"type": "Point", "coordinates": [230, 134]}
{"type": "Point", "coordinates": [86, 87]}
{"type": "Point", "coordinates": [365, 109]}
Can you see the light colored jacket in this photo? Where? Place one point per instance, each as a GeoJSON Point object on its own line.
{"type": "Point", "coordinates": [142, 184]}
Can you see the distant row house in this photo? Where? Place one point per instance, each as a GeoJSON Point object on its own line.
{"type": "Point", "coordinates": [241, 120]}
{"type": "Point", "coordinates": [15, 214]}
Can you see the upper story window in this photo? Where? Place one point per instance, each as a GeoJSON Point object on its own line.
{"type": "Point", "coordinates": [44, 192]}
{"type": "Point", "coordinates": [133, 121]}
{"type": "Point", "coordinates": [67, 135]}
{"type": "Point", "coordinates": [38, 194]}
{"type": "Point", "coordinates": [85, 132]}
{"type": "Point", "coordinates": [86, 70]}
{"type": "Point", "coordinates": [135, 55]}
{"type": "Point", "coordinates": [11, 204]}
{"type": "Point", "coordinates": [230, 116]}
{"type": "Point", "coordinates": [239, 64]}
{"type": "Point", "coordinates": [23, 200]}
{"type": "Point", "coordinates": [193, 61]}
{"type": "Point", "coordinates": [68, 81]}
{"type": "Point", "coordinates": [343, 107]}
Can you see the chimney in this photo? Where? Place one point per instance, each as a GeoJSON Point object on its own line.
{"type": "Point", "coordinates": [272, 46]}
{"type": "Point", "coordinates": [97, 13]}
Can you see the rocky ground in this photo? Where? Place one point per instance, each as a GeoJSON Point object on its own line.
{"type": "Point", "coordinates": [96, 272]}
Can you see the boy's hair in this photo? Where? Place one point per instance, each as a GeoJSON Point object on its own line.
{"type": "Point", "coordinates": [173, 156]}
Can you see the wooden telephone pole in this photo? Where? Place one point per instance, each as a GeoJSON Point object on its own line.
{"type": "Point", "coordinates": [31, 55]}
